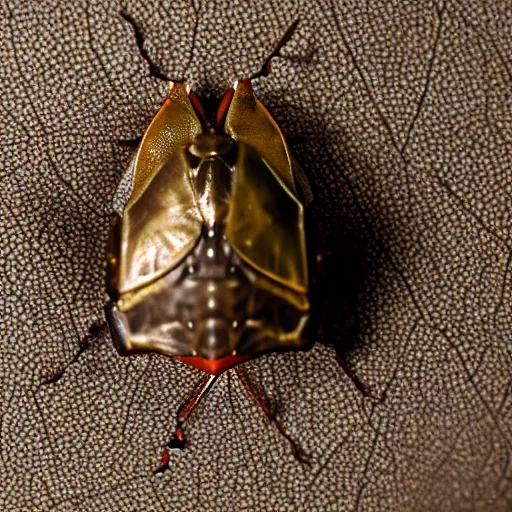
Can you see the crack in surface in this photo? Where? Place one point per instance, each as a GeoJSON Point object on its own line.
{"type": "Point", "coordinates": [440, 12]}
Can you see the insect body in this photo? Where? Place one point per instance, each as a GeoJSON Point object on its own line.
{"type": "Point", "coordinates": [207, 259]}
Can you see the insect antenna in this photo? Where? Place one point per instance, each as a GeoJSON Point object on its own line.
{"type": "Point", "coordinates": [265, 68]}
{"type": "Point", "coordinates": [153, 68]}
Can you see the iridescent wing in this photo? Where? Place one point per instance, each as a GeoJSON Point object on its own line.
{"type": "Point", "coordinates": [160, 222]}
{"type": "Point", "coordinates": [265, 224]}
{"type": "Point", "coordinates": [248, 121]}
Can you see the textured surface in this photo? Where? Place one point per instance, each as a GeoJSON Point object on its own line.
{"type": "Point", "coordinates": [405, 110]}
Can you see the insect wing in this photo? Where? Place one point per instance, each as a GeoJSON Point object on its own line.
{"type": "Point", "coordinates": [265, 224]}
{"type": "Point", "coordinates": [248, 121]}
{"type": "Point", "coordinates": [266, 221]}
{"type": "Point", "coordinates": [160, 222]}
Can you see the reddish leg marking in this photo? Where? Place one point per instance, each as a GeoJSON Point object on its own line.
{"type": "Point", "coordinates": [178, 441]}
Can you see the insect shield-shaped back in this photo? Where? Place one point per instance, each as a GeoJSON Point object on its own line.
{"type": "Point", "coordinates": [207, 257]}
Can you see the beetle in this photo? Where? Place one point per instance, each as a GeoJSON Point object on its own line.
{"type": "Point", "coordinates": [207, 259]}
{"type": "Point", "coordinates": [207, 256]}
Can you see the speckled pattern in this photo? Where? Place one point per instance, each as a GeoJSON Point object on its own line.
{"type": "Point", "coordinates": [401, 114]}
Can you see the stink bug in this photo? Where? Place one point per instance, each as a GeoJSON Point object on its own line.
{"type": "Point", "coordinates": [207, 258]}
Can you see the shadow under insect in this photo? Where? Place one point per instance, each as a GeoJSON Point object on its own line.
{"type": "Point", "coordinates": [338, 242]}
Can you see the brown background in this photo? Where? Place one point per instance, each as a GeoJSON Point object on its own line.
{"type": "Point", "coordinates": [405, 113]}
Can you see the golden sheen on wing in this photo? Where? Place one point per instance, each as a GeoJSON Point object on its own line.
{"type": "Point", "coordinates": [207, 257]}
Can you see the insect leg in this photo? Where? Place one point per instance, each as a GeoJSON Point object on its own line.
{"type": "Point", "coordinates": [265, 68]}
{"type": "Point", "coordinates": [85, 343]}
{"type": "Point", "coordinates": [329, 277]}
{"type": "Point", "coordinates": [178, 442]}
{"type": "Point", "coordinates": [201, 389]}
{"type": "Point", "coordinates": [358, 383]}
{"type": "Point", "coordinates": [153, 68]}
{"type": "Point", "coordinates": [260, 398]}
